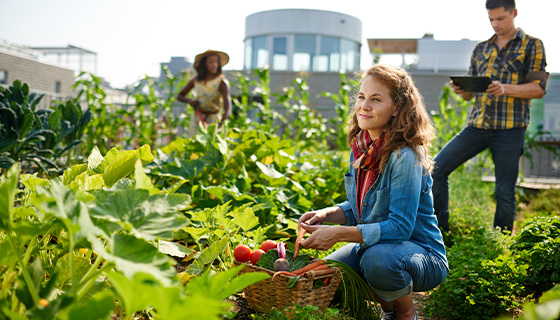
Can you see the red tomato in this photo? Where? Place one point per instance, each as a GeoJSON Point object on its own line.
{"type": "Point", "coordinates": [267, 245]}
{"type": "Point", "coordinates": [242, 253]}
{"type": "Point", "coordinates": [256, 256]}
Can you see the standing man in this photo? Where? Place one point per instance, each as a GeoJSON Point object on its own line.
{"type": "Point", "coordinates": [516, 64]}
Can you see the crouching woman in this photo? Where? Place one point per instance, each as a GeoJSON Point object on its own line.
{"type": "Point", "coordinates": [388, 217]}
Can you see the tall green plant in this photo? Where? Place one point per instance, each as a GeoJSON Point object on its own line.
{"type": "Point", "coordinates": [37, 139]}
{"type": "Point", "coordinates": [105, 128]}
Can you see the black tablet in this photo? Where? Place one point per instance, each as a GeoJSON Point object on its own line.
{"type": "Point", "coordinates": [471, 83]}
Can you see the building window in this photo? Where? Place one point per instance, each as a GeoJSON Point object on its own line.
{"type": "Point", "coordinates": [280, 53]}
{"type": "Point", "coordinates": [350, 54]}
{"type": "Point", "coordinates": [3, 76]}
{"type": "Point", "coordinates": [329, 55]}
{"type": "Point", "coordinates": [248, 51]}
{"type": "Point", "coordinates": [259, 53]}
{"type": "Point", "coordinates": [304, 52]}
{"type": "Point", "coordinates": [57, 87]}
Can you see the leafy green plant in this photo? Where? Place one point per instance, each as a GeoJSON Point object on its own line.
{"type": "Point", "coordinates": [485, 279]}
{"type": "Point", "coordinates": [20, 130]}
{"type": "Point", "coordinates": [538, 243]}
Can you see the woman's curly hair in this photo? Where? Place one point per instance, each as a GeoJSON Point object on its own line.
{"type": "Point", "coordinates": [411, 127]}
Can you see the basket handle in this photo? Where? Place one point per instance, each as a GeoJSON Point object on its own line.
{"type": "Point", "coordinates": [313, 274]}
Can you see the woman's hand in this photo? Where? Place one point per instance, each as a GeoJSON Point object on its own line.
{"type": "Point", "coordinates": [321, 238]}
{"type": "Point", "coordinates": [194, 103]}
{"type": "Point", "coordinates": [313, 217]}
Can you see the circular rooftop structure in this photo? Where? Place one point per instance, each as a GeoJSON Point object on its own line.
{"type": "Point", "coordinates": [302, 40]}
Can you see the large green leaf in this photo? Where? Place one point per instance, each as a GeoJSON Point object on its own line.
{"type": "Point", "coordinates": [246, 220]}
{"type": "Point", "coordinates": [135, 293]}
{"type": "Point", "coordinates": [207, 256]}
{"type": "Point", "coordinates": [132, 256]}
{"type": "Point", "coordinates": [221, 285]}
{"type": "Point", "coordinates": [142, 180]}
{"type": "Point", "coordinates": [174, 249]}
{"type": "Point", "coordinates": [8, 185]}
{"type": "Point", "coordinates": [61, 203]}
{"type": "Point", "coordinates": [120, 168]}
{"type": "Point", "coordinates": [221, 193]}
{"type": "Point", "coordinates": [144, 215]}
{"type": "Point", "coordinates": [100, 306]}
{"type": "Point", "coordinates": [71, 173]}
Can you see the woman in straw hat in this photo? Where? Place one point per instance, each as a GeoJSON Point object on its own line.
{"type": "Point", "coordinates": [210, 88]}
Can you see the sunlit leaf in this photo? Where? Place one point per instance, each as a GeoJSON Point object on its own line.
{"type": "Point", "coordinates": [8, 185]}
{"type": "Point", "coordinates": [135, 211]}
{"type": "Point", "coordinates": [246, 220]}
{"type": "Point", "coordinates": [207, 256]}
{"type": "Point", "coordinates": [174, 249]}
{"type": "Point", "coordinates": [221, 285]}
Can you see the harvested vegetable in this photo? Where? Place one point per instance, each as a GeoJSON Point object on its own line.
{"type": "Point", "coordinates": [309, 267]}
{"type": "Point", "coordinates": [256, 255]}
{"type": "Point", "coordinates": [281, 265]}
{"type": "Point", "coordinates": [289, 274]}
{"type": "Point", "coordinates": [242, 253]}
{"type": "Point", "coordinates": [268, 244]}
{"type": "Point", "coordinates": [301, 233]}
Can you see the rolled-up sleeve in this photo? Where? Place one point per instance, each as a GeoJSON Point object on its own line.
{"type": "Point", "coordinates": [347, 208]}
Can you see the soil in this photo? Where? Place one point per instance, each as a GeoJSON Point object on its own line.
{"type": "Point", "coordinates": [244, 312]}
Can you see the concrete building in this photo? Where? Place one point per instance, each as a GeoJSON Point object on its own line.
{"type": "Point", "coordinates": [315, 43]}
{"type": "Point", "coordinates": [22, 63]}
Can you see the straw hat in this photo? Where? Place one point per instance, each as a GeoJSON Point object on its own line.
{"type": "Point", "coordinates": [224, 58]}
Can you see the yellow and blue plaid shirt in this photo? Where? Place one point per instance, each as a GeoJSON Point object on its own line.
{"type": "Point", "coordinates": [521, 60]}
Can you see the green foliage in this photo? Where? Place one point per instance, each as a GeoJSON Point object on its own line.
{"type": "Point", "coordinates": [37, 138]}
{"type": "Point", "coordinates": [546, 203]}
{"type": "Point", "coordinates": [304, 313]}
{"type": "Point", "coordinates": [548, 307]}
{"type": "Point", "coordinates": [88, 242]}
{"type": "Point", "coordinates": [538, 243]}
{"type": "Point", "coordinates": [353, 293]}
{"type": "Point", "coordinates": [485, 279]}
{"type": "Point", "coordinates": [452, 117]}
{"type": "Point", "coordinates": [267, 260]}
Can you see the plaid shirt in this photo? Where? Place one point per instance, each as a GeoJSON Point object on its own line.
{"type": "Point", "coordinates": [516, 63]}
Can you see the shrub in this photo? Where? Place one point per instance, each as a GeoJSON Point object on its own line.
{"type": "Point", "coordinates": [484, 279]}
{"type": "Point", "coordinates": [538, 244]}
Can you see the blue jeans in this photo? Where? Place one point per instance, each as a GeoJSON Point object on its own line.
{"type": "Point", "coordinates": [506, 147]}
{"type": "Point", "coordinates": [394, 270]}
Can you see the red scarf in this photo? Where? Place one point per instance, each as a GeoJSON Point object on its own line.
{"type": "Point", "coordinates": [366, 162]}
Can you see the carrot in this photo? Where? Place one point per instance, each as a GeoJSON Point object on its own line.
{"type": "Point", "coordinates": [308, 267]}
{"type": "Point", "coordinates": [301, 233]}
{"type": "Point", "coordinates": [286, 273]}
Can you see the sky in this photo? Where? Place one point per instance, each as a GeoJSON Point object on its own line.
{"type": "Point", "coordinates": [132, 37]}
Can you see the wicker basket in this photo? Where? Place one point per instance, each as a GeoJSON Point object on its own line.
{"type": "Point", "coordinates": [265, 295]}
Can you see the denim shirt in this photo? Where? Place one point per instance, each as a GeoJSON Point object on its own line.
{"type": "Point", "coordinates": [398, 207]}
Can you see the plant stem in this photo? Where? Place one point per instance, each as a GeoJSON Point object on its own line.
{"type": "Point", "coordinates": [90, 276]}
{"type": "Point", "coordinates": [26, 276]}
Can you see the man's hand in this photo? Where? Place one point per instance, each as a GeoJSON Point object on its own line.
{"type": "Point", "coordinates": [458, 90]}
{"type": "Point", "coordinates": [496, 88]}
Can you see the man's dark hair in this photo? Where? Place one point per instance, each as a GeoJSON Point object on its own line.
{"type": "Point", "coordinates": [509, 5]}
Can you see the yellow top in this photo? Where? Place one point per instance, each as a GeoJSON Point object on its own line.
{"type": "Point", "coordinates": [208, 94]}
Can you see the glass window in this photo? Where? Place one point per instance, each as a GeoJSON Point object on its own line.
{"type": "Point", "coordinates": [3, 76]}
{"type": "Point", "coordinates": [248, 52]}
{"type": "Point", "coordinates": [259, 56]}
{"type": "Point", "coordinates": [57, 87]}
{"type": "Point", "coordinates": [279, 53]}
{"type": "Point", "coordinates": [304, 52]}
{"type": "Point", "coordinates": [329, 55]}
{"type": "Point", "coordinates": [350, 55]}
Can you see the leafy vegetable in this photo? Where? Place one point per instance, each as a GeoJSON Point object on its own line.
{"type": "Point", "coordinates": [267, 260]}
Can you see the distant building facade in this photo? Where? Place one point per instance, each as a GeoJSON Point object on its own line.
{"type": "Point", "coordinates": [314, 43]}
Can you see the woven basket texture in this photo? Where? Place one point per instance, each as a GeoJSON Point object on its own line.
{"type": "Point", "coordinates": [265, 295]}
